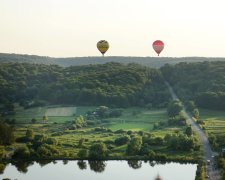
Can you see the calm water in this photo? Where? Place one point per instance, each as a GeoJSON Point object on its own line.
{"type": "Point", "coordinates": [99, 170]}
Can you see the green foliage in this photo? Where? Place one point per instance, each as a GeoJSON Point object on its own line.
{"type": "Point", "coordinates": [33, 120]}
{"type": "Point", "coordinates": [190, 105]}
{"type": "Point", "coordinates": [45, 118]}
{"type": "Point", "coordinates": [202, 81]}
{"type": "Point", "coordinates": [174, 108]}
{"type": "Point", "coordinates": [111, 84]}
{"type": "Point", "coordinates": [39, 139]}
{"type": "Point", "coordinates": [221, 165]}
{"type": "Point", "coordinates": [2, 168]}
{"type": "Point", "coordinates": [52, 141]}
{"type": "Point", "coordinates": [189, 131]}
{"type": "Point", "coordinates": [158, 141]}
{"type": "Point", "coordinates": [80, 122]}
{"type": "Point", "coordinates": [201, 172]}
{"type": "Point", "coordinates": [179, 120]}
{"type": "Point", "coordinates": [29, 134]}
{"type": "Point", "coordinates": [22, 153]}
{"type": "Point", "coordinates": [98, 151]}
{"type": "Point", "coordinates": [217, 141]}
{"type": "Point", "coordinates": [182, 142]}
{"type": "Point", "coordinates": [134, 146]}
{"type": "Point", "coordinates": [122, 140]}
{"type": "Point", "coordinates": [47, 151]}
{"type": "Point", "coordinates": [145, 149]}
{"type": "Point", "coordinates": [6, 134]}
{"type": "Point", "coordinates": [195, 113]}
{"type": "Point", "coordinates": [83, 153]}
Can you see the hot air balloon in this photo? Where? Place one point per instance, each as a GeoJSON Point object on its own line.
{"type": "Point", "coordinates": [158, 177]}
{"type": "Point", "coordinates": [158, 46]}
{"type": "Point", "coordinates": [103, 46]}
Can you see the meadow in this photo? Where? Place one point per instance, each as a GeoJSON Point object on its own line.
{"type": "Point", "coordinates": [214, 121]}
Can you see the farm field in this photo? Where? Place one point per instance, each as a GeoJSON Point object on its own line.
{"type": "Point", "coordinates": [138, 119]}
{"type": "Point", "coordinates": [57, 114]}
{"type": "Point", "coordinates": [135, 119]}
{"type": "Point", "coordinates": [214, 121]}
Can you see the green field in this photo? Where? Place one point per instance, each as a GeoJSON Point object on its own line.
{"type": "Point", "coordinates": [134, 118]}
{"type": "Point", "coordinates": [60, 111]}
{"type": "Point", "coordinates": [214, 121]}
{"type": "Point", "coordinates": [138, 119]}
{"type": "Point", "coordinates": [58, 114]}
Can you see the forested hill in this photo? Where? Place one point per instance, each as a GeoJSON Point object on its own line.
{"type": "Point", "coordinates": [155, 62]}
{"type": "Point", "coordinates": [110, 84]}
{"type": "Point", "coordinates": [202, 82]}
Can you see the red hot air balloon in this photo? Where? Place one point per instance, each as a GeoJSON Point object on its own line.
{"type": "Point", "coordinates": [158, 46]}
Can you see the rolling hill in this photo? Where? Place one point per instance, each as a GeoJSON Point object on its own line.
{"type": "Point", "coordinates": [155, 62]}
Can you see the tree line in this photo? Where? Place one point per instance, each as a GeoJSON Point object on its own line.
{"type": "Point", "coordinates": [204, 82]}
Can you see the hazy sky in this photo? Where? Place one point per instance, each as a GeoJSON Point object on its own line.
{"type": "Point", "coordinates": [63, 28]}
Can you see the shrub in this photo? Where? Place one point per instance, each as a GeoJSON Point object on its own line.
{"type": "Point", "coordinates": [22, 153]}
{"type": "Point", "coordinates": [33, 120]}
{"type": "Point", "coordinates": [134, 146]}
{"type": "Point", "coordinates": [52, 141]}
{"type": "Point", "coordinates": [83, 153]}
{"type": "Point", "coordinates": [145, 149]}
{"type": "Point", "coordinates": [122, 140]}
{"type": "Point", "coordinates": [46, 151]}
{"type": "Point", "coordinates": [29, 134]}
{"type": "Point", "coordinates": [2, 168]}
{"type": "Point", "coordinates": [120, 131]}
{"type": "Point", "coordinates": [98, 151]}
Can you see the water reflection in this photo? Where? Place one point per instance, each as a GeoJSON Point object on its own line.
{"type": "Point", "coordinates": [82, 165]}
{"type": "Point", "coordinates": [43, 163]}
{"type": "Point", "coordinates": [135, 164]}
{"type": "Point", "coordinates": [96, 166]}
{"type": "Point", "coordinates": [22, 166]}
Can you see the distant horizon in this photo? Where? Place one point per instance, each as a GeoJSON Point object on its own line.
{"type": "Point", "coordinates": [110, 56]}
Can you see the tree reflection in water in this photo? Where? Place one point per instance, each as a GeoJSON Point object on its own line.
{"type": "Point", "coordinates": [65, 162]}
{"type": "Point", "coordinates": [152, 163]}
{"type": "Point", "coordinates": [97, 166]}
{"type": "Point", "coordinates": [42, 163]}
{"type": "Point", "coordinates": [135, 164]}
{"type": "Point", "coordinates": [22, 166]}
{"type": "Point", "coordinates": [82, 165]}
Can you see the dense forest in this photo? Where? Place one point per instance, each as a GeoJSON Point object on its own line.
{"type": "Point", "coordinates": [202, 82]}
{"type": "Point", "coordinates": [110, 84]}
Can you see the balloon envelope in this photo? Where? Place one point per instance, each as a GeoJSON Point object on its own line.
{"type": "Point", "coordinates": [103, 46]}
{"type": "Point", "coordinates": [158, 46]}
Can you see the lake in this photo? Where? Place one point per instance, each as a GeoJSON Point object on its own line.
{"type": "Point", "coordinates": [98, 170]}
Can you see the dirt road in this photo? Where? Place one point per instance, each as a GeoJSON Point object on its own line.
{"type": "Point", "coordinates": [211, 168]}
